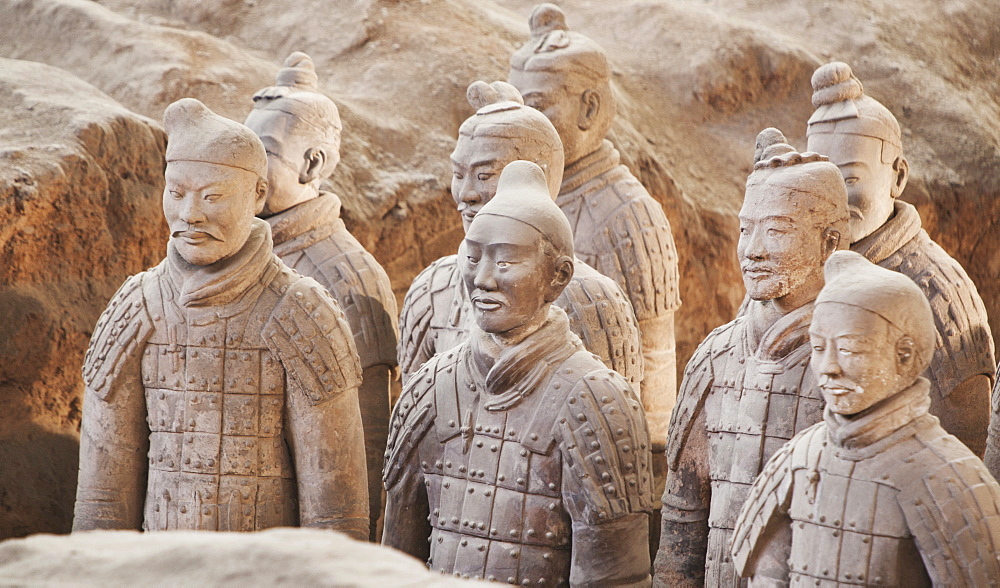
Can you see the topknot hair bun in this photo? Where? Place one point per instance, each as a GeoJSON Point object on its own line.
{"type": "Point", "coordinates": [835, 82]}
{"type": "Point", "coordinates": [480, 94]}
{"type": "Point", "coordinates": [546, 18]}
{"type": "Point", "coordinates": [297, 75]}
{"type": "Point", "coordinates": [768, 142]}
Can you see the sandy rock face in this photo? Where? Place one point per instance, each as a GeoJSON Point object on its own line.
{"type": "Point", "coordinates": [288, 557]}
{"type": "Point", "coordinates": [80, 181]}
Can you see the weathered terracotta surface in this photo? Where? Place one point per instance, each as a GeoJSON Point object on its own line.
{"type": "Point", "coordinates": [748, 389]}
{"type": "Point", "coordinates": [864, 140]}
{"type": "Point", "coordinates": [878, 493]}
{"type": "Point", "coordinates": [80, 179]}
{"type": "Point", "coordinates": [276, 557]}
{"type": "Point", "coordinates": [437, 313]}
{"type": "Point", "coordinates": [618, 228]}
{"type": "Point", "coordinates": [221, 386]}
{"type": "Point", "coordinates": [518, 456]}
{"type": "Point", "coordinates": [300, 128]}
{"type": "Point", "coordinates": [694, 81]}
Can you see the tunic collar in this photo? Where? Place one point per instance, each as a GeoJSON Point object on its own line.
{"type": "Point", "coordinates": [869, 432]}
{"type": "Point", "coordinates": [305, 223]}
{"type": "Point", "coordinates": [900, 229]}
{"type": "Point", "coordinates": [598, 163]}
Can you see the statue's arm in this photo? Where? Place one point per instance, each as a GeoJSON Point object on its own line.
{"type": "Point", "coordinates": [967, 413]}
{"type": "Point", "coordinates": [114, 433]}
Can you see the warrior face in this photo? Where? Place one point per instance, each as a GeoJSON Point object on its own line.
{"type": "Point", "coordinates": [858, 356]}
{"type": "Point", "coordinates": [781, 254]}
{"type": "Point", "coordinates": [293, 162]}
{"type": "Point", "coordinates": [209, 208]}
{"type": "Point", "coordinates": [872, 185]}
{"type": "Point", "coordinates": [510, 277]}
{"type": "Point", "coordinates": [476, 164]}
{"type": "Point", "coordinates": [576, 114]}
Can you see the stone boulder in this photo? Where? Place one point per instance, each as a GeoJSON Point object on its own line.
{"type": "Point", "coordinates": [80, 185]}
{"type": "Point", "coordinates": [276, 557]}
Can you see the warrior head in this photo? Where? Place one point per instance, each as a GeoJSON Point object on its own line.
{"type": "Point", "coordinates": [216, 181]}
{"type": "Point", "coordinates": [567, 77]}
{"type": "Point", "coordinates": [502, 130]}
{"type": "Point", "coordinates": [862, 138]}
{"type": "Point", "coordinates": [300, 128]}
{"type": "Point", "coordinates": [794, 214]}
{"type": "Point", "coordinates": [872, 333]}
{"type": "Point", "coordinates": [517, 256]}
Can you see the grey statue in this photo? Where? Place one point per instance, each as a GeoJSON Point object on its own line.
{"type": "Point", "coordinates": [878, 494]}
{"type": "Point", "coordinates": [221, 386]}
{"type": "Point", "coordinates": [748, 388]}
{"type": "Point", "coordinates": [300, 129]}
{"type": "Point", "coordinates": [518, 456]}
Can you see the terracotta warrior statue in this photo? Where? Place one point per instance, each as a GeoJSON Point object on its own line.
{"type": "Point", "coordinates": [878, 493]}
{"type": "Point", "coordinates": [437, 313]}
{"type": "Point", "coordinates": [618, 228]}
{"type": "Point", "coordinates": [747, 390]}
{"type": "Point", "coordinates": [518, 456]}
{"type": "Point", "coordinates": [300, 129]}
{"type": "Point", "coordinates": [863, 139]}
{"type": "Point", "coordinates": [221, 386]}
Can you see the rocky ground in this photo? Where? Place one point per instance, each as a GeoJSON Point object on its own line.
{"type": "Point", "coordinates": [81, 155]}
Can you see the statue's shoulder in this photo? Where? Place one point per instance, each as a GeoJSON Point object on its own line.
{"type": "Point", "coordinates": [432, 291]}
{"type": "Point", "coordinates": [952, 506]}
{"type": "Point", "coordinates": [602, 430]}
{"type": "Point", "coordinates": [120, 335]}
{"type": "Point", "coordinates": [601, 315]}
{"type": "Point", "coordinates": [412, 417]}
{"type": "Point", "coordinates": [308, 333]}
{"type": "Point", "coordinates": [696, 384]}
{"type": "Point", "coordinates": [360, 285]}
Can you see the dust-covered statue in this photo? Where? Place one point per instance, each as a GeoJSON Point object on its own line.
{"type": "Point", "coordinates": [863, 139]}
{"type": "Point", "coordinates": [518, 456]}
{"type": "Point", "coordinates": [437, 313]}
{"type": "Point", "coordinates": [221, 386]}
{"type": "Point", "coordinates": [747, 390]}
{"type": "Point", "coordinates": [618, 228]}
{"type": "Point", "coordinates": [878, 494]}
{"type": "Point", "coordinates": [300, 129]}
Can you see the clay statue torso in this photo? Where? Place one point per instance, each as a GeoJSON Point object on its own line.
{"type": "Point", "coordinates": [437, 316]}
{"type": "Point", "coordinates": [620, 231]}
{"type": "Point", "coordinates": [753, 393]}
{"type": "Point", "coordinates": [515, 480]}
{"type": "Point", "coordinates": [311, 239]}
{"type": "Point", "coordinates": [878, 507]}
{"type": "Point", "coordinates": [965, 345]}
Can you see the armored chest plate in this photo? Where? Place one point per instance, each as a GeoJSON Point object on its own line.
{"type": "Point", "coordinates": [215, 398]}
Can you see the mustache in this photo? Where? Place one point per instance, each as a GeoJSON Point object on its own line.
{"type": "Point", "coordinates": [827, 383]}
{"type": "Point", "coordinates": [201, 231]}
{"type": "Point", "coordinates": [492, 298]}
{"type": "Point", "coordinates": [856, 213]}
{"type": "Point", "coordinates": [751, 266]}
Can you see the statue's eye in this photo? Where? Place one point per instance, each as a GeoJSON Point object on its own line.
{"type": "Point", "coordinates": [176, 195]}
{"type": "Point", "coordinates": [212, 197]}
{"type": "Point", "coordinates": [484, 176]}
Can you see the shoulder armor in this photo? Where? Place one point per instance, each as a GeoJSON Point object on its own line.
{"type": "Point", "coordinates": [121, 332]}
{"type": "Point", "coordinates": [418, 312]}
{"type": "Point", "coordinates": [695, 386]}
{"type": "Point", "coordinates": [605, 442]}
{"type": "Point", "coordinates": [642, 256]}
{"type": "Point", "coordinates": [965, 345]}
{"type": "Point", "coordinates": [412, 417]}
{"type": "Point", "coordinates": [601, 315]}
{"type": "Point", "coordinates": [952, 507]}
{"type": "Point", "coordinates": [359, 284]}
{"type": "Point", "coordinates": [308, 333]}
{"type": "Point", "coordinates": [771, 493]}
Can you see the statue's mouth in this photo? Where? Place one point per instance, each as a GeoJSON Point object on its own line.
{"type": "Point", "coordinates": [486, 303]}
{"type": "Point", "coordinates": [194, 237]}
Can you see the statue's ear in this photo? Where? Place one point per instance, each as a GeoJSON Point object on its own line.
{"type": "Point", "coordinates": [906, 355]}
{"type": "Point", "coordinates": [902, 171]}
{"type": "Point", "coordinates": [260, 195]}
{"type": "Point", "coordinates": [831, 240]}
{"type": "Point", "coordinates": [312, 165]}
{"type": "Point", "coordinates": [590, 109]}
{"type": "Point", "coordinates": [561, 278]}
